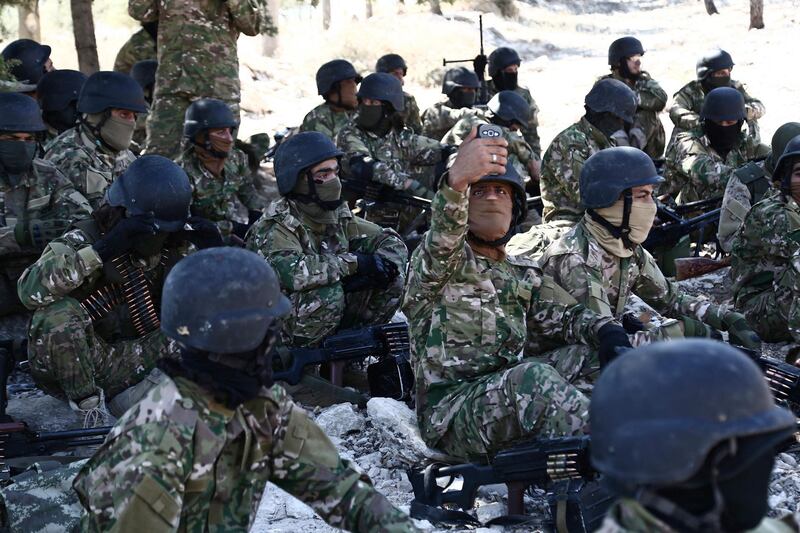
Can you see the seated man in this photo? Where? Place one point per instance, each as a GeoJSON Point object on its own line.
{"type": "Point", "coordinates": [395, 65]}
{"type": "Point", "coordinates": [222, 186]}
{"type": "Point", "coordinates": [57, 93]}
{"type": "Point", "coordinates": [765, 253]}
{"type": "Point", "coordinates": [200, 447]}
{"type": "Point", "coordinates": [601, 261]}
{"type": "Point", "coordinates": [685, 435]}
{"type": "Point", "coordinates": [701, 161]}
{"type": "Point", "coordinates": [472, 312]}
{"type": "Point", "coordinates": [339, 271]}
{"type": "Point", "coordinates": [337, 81]}
{"type": "Point", "coordinates": [96, 290]}
{"type": "Point", "coordinates": [461, 87]}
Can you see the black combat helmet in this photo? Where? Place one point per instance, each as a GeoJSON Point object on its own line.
{"type": "Point", "coordinates": [300, 152]}
{"type": "Point", "coordinates": [780, 139]}
{"type": "Point", "coordinates": [612, 96]}
{"type": "Point", "coordinates": [657, 412]}
{"type": "Point", "coordinates": [383, 87]}
{"type": "Point", "coordinates": [723, 103]}
{"type": "Point", "coordinates": [391, 62]}
{"type": "Point", "coordinates": [622, 48]}
{"type": "Point", "coordinates": [610, 172]}
{"type": "Point", "coordinates": [19, 113]}
{"type": "Point", "coordinates": [512, 178]}
{"type": "Point", "coordinates": [111, 90]}
{"type": "Point", "coordinates": [153, 185]}
{"type": "Point", "coordinates": [783, 167]}
{"type": "Point", "coordinates": [510, 107]}
{"type": "Point", "coordinates": [144, 72]}
{"type": "Point", "coordinates": [501, 58]}
{"type": "Point", "coordinates": [713, 61]}
{"type": "Point", "coordinates": [206, 114]}
{"type": "Point", "coordinates": [332, 73]}
{"type": "Point", "coordinates": [31, 57]}
{"type": "Point", "coordinates": [459, 77]}
{"type": "Point", "coordinates": [59, 88]}
{"type": "Point", "coordinates": [221, 300]}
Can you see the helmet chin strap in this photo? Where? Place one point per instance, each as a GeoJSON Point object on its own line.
{"type": "Point", "coordinates": [618, 232]}
{"type": "Point", "coordinates": [95, 129]}
{"type": "Point", "coordinates": [313, 197]}
{"type": "Point", "coordinates": [206, 145]}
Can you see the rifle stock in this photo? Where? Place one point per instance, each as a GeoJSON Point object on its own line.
{"type": "Point", "coordinates": [692, 267]}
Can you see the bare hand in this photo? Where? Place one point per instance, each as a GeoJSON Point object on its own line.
{"type": "Point", "coordinates": [477, 158]}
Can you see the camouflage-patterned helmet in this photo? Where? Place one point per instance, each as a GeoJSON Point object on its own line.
{"type": "Point", "coordinates": [783, 168]}
{"type": "Point", "coordinates": [30, 57]}
{"type": "Point", "coordinates": [723, 103]}
{"type": "Point", "coordinates": [658, 411]}
{"type": "Point", "coordinates": [144, 72]}
{"type": "Point", "coordinates": [383, 87]}
{"type": "Point", "coordinates": [510, 107]}
{"type": "Point", "coordinates": [622, 48]}
{"type": "Point", "coordinates": [111, 90]}
{"type": "Point", "coordinates": [19, 113]}
{"type": "Point", "coordinates": [221, 300]}
{"type": "Point", "coordinates": [299, 152]}
{"type": "Point", "coordinates": [511, 177]}
{"type": "Point", "coordinates": [712, 61]}
{"type": "Point", "coordinates": [390, 62]}
{"type": "Point", "coordinates": [610, 172]}
{"type": "Point", "coordinates": [332, 73]}
{"type": "Point", "coordinates": [459, 77]}
{"type": "Point", "coordinates": [153, 185]}
{"type": "Point", "coordinates": [206, 114]}
{"type": "Point", "coordinates": [612, 96]}
{"type": "Point", "coordinates": [501, 58]}
{"type": "Point", "coordinates": [59, 88]}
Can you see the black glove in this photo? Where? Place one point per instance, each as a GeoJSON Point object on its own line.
{"type": "Point", "coordinates": [122, 236]}
{"type": "Point", "coordinates": [479, 66]}
{"type": "Point", "coordinates": [613, 341]}
{"type": "Point", "coordinates": [204, 233]}
{"type": "Point", "coordinates": [373, 272]}
{"type": "Point", "coordinates": [362, 167]}
{"type": "Point", "coordinates": [631, 323]}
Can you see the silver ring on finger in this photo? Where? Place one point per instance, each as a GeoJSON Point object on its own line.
{"type": "Point", "coordinates": [494, 158]}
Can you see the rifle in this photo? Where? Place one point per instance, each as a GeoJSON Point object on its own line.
{"type": "Point", "coordinates": [18, 440]}
{"type": "Point", "coordinates": [783, 378]}
{"type": "Point", "coordinates": [483, 94]}
{"type": "Point", "coordinates": [391, 376]}
{"type": "Point", "coordinates": [562, 464]}
{"type": "Point", "coordinates": [667, 235]}
{"type": "Point", "coordinates": [279, 137]}
{"type": "Point", "coordinates": [692, 267]}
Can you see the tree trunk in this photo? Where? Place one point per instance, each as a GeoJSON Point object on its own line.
{"type": "Point", "coordinates": [270, 42]}
{"type": "Point", "coordinates": [83, 30]}
{"type": "Point", "coordinates": [326, 14]}
{"type": "Point", "coordinates": [28, 14]}
{"type": "Point", "coordinates": [436, 7]}
{"type": "Point", "coordinates": [369, 9]}
{"type": "Point", "coordinates": [711, 9]}
{"type": "Point", "coordinates": [757, 14]}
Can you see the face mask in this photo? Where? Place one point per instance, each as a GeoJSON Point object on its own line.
{"type": "Point", "coordinates": [118, 133]}
{"type": "Point", "coordinates": [489, 220]}
{"type": "Point", "coordinates": [640, 221]}
{"type": "Point", "coordinates": [62, 119]}
{"type": "Point", "coordinates": [711, 82]}
{"type": "Point", "coordinates": [606, 122]}
{"type": "Point", "coordinates": [322, 204]}
{"type": "Point", "coordinates": [221, 145]}
{"type": "Point", "coordinates": [620, 138]}
{"type": "Point", "coordinates": [461, 99]}
{"type": "Point", "coordinates": [16, 157]}
{"type": "Point", "coordinates": [150, 245]}
{"type": "Point", "coordinates": [505, 81]}
{"type": "Point", "coordinates": [372, 118]}
{"type": "Point", "coordinates": [723, 138]}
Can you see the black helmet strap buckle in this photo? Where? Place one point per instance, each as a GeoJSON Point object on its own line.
{"type": "Point", "coordinates": [623, 230]}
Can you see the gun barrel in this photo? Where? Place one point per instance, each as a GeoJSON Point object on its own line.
{"type": "Point", "coordinates": [72, 434]}
{"type": "Point", "coordinates": [446, 62]}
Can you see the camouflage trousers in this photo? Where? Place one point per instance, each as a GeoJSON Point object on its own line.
{"type": "Point", "coordinates": [70, 361]}
{"type": "Point", "coordinates": [165, 123]}
{"type": "Point", "coordinates": [527, 400]}
{"type": "Point", "coordinates": [767, 313]}
{"type": "Point", "coordinates": [654, 132]}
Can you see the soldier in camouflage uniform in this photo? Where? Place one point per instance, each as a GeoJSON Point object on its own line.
{"type": "Point", "coordinates": [222, 186]}
{"type": "Point", "coordinates": [473, 311]}
{"type": "Point", "coordinates": [700, 161]}
{"type": "Point", "coordinates": [336, 83]}
{"type": "Point", "coordinates": [197, 57]}
{"type": "Point", "coordinates": [713, 70]}
{"type": "Point", "coordinates": [200, 448]}
{"type": "Point", "coordinates": [379, 150]}
{"type": "Point", "coordinates": [96, 150]}
{"type": "Point", "coordinates": [96, 289]}
{"type": "Point", "coordinates": [601, 261]}
{"type": "Point", "coordinates": [57, 93]}
{"type": "Point", "coordinates": [144, 72]}
{"type": "Point", "coordinates": [748, 185]}
{"type": "Point", "coordinates": [139, 47]}
{"type": "Point", "coordinates": [646, 132]}
{"type": "Point", "coordinates": [765, 258]}
{"type": "Point", "coordinates": [718, 477]}
{"type": "Point", "coordinates": [461, 87]}
{"type": "Point", "coordinates": [396, 66]}
{"type": "Point", "coordinates": [339, 270]}
{"type": "Point", "coordinates": [37, 203]}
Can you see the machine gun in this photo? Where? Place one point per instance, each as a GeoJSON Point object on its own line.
{"type": "Point", "coordinates": [391, 376]}
{"type": "Point", "coordinates": [668, 234]}
{"type": "Point", "coordinates": [561, 465]}
{"type": "Point", "coordinates": [483, 93]}
{"type": "Point", "coordinates": [783, 379]}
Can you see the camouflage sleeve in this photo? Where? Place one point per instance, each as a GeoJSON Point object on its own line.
{"type": "Point", "coordinates": [570, 272]}
{"type": "Point", "coordinates": [8, 242]}
{"type": "Point", "coordinates": [421, 150]}
{"type": "Point", "coordinates": [531, 131]}
{"type": "Point", "coordinates": [461, 129]}
{"type": "Point", "coordinates": [64, 265]}
{"type": "Point", "coordinates": [736, 203]}
{"type": "Point", "coordinates": [413, 120]}
{"type": "Point", "coordinates": [251, 17]}
{"type": "Point", "coordinates": [248, 193]}
{"type": "Point", "coordinates": [754, 108]}
{"type": "Point", "coordinates": [308, 467]}
{"type": "Point", "coordinates": [793, 318]}
{"type": "Point", "coordinates": [124, 60]}
{"type": "Point", "coordinates": [561, 170]}
{"type": "Point", "coordinates": [681, 112]}
{"type": "Point", "coordinates": [437, 118]}
{"type": "Point", "coordinates": [389, 173]}
{"type": "Point", "coordinates": [143, 10]}
{"type": "Point", "coordinates": [370, 238]}
{"type": "Point", "coordinates": [68, 204]}
{"type": "Point", "coordinates": [518, 146]}
{"type": "Point", "coordinates": [651, 96]}
{"type": "Point", "coordinates": [696, 167]}
{"type": "Point", "coordinates": [296, 269]}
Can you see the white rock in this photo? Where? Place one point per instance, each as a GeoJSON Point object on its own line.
{"type": "Point", "coordinates": [340, 419]}
{"type": "Point", "coordinates": [297, 509]}
{"type": "Point", "coordinates": [397, 425]}
{"type": "Point", "coordinates": [490, 511]}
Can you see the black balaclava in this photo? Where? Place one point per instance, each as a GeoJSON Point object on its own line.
{"type": "Point", "coordinates": [710, 82]}
{"type": "Point", "coordinates": [62, 119]}
{"type": "Point", "coordinates": [376, 119]}
{"type": "Point", "coordinates": [723, 138]}
{"type": "Point", "coordinates": [460, 98]}
{"type": "Point", "coordinates": [16, 159]}
{"type": "Point", "coordinates": [606, 122]}
{"type": "Point", "coordinates": [505, 81]}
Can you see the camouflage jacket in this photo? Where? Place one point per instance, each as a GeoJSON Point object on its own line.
{"type": "Point", "coordinates": [192, 464]}
{"type": "Point", "coordinates": [697, 171]}
{"type": "Point", "coordinates": [604, 282]}
{"type": "Point", "coordinates": [197, 53]}
{"type": "Point", "coordinates": [325, 120]}
{"type": "Point", "coordinates": [308, 256]}
{"type": "Point", "coordinates": [226, 198]}
{"type": "Point", "coordinates": [90, 167]}
{"type": "Point", "coordinates": [410, 114]}
{"type": "Point", "coordinates": [688, 102]}
{"type": "Point", "coordinates": [651, 102]}
{"type": "Point", "coordinates": [42, 194]}
{"type": "Point", "coordinates": [440, 117]}
{"type": "Point", "coordinates": [139, 47]}
{"type": "Point", "coordinates": [561, 169]}
{"type": "Point", "coordinates": [531, 131]}
{"type": "Point", "coordinates": [470, 316]}
{"type": "Point", "coordinates": [394, 154]}
{"type": "Point", "coordinates": [739, 198]}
